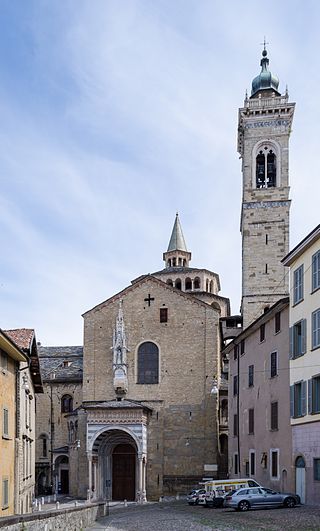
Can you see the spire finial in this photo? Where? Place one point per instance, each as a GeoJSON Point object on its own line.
{"type": "Point", "coordinates": [264, 51]}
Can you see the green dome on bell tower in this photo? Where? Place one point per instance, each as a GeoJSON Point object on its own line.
{"type": "Point", "coordinates": [265, 80]}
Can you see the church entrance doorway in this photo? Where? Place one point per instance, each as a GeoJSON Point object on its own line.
{"type": "Point", "coordinates": [123, 472]}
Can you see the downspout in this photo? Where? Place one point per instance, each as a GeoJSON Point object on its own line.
{"type": "Point", "coordinates": [17, 443]}
{"type": "Point", "coordinates": [238, 411]}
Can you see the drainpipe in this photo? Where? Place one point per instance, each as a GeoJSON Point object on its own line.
{"type": "Point", "coordinates": [238, 410]}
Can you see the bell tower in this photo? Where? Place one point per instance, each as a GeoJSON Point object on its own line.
{"type": "Point", "coordinates": [264, 128]}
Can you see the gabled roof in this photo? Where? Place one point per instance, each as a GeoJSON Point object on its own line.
{"type": "Point", "coordinates": [263, 318]}
{"type": "Point", "coordinates": [61, 363]}
{"type": "Point", "coordinates": [10, 347]}
{"type": "Point", "coordinates": [141, 280]}
{"type": "Point", "coordinates": [25, 339]}
{"type": "Point", "coordinates": [22, 337]}
{"type": "Point", "coordinates": [297, 251]}
{"type": "Point", "coordinates": [177, 241]}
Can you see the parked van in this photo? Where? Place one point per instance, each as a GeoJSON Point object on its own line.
{"type": "Point", "coordinates": [217, 489]}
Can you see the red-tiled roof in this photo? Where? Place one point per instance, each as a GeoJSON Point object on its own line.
{"type": "Point", "coordinates": [21, 336]}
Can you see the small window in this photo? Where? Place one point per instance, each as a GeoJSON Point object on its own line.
{"type": "Point", "coordinates": [235, 352]}
{"type": "Point", "coordinates": [235, 425]}
{"type": "Point", "coordinates": [66, 404]}
{"type": "Point", "coordinates": [251, 376]}
{"type": "Point", "coordinates": [235, 385]}
{"type": "Point", "coordinates": [242, 347]}
{"type": "Point", "coordinates": [274, 364]}
{"type": "Point", "coordinates": [274, 415]}
{"type": "Point", "coordinates": [252, 463]}
{"type": "Point", "coordinates": [44, 445]}
{"type": "Point", "coordinates": [277, 322]}
{"type": "Point", "coordinates": [316, 469]}
{"type": "Point", "coordinates": [5, 422]}
{"type": "Point", "coordinates": [3, 360]}
{"type": "Point", "coordinates": [262, 332]}
{"type": "Point", "coordinates": [5, 493]}
{"type": "Point", "coordinates": [274, 463]}
{"type": "Point", "coordinates": [315, 328]}
{"type": "Point", "coordinates": [251, 421]}
{"type": "Point", "coordinates": [298, 285]}
{"type": "Point", "coordinates": [163, 315]}
{"type": "Point", "coordinates": [236, 464]}
{"type": "Point", "coordinates": [316, 271]}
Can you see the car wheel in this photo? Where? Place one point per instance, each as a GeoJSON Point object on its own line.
{"type": "Point", "coordinates": [289, 502]}
{"type": "Point", "coordinates": [244, 506]}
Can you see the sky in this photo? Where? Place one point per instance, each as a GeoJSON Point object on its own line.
{"type": "Point", "coordinates": [114, 115]}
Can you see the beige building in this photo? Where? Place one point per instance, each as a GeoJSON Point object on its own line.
{"type": "Point", "coordinates": [260, 443]}
{"type": "Point", "coordinates": [304, 263]}
{"type": "Point", "coordinates": [149, 425]}
{"type": "Point", "coordinates": [10, 357]}
{"type": "Point", "coordinates": [20, 382]}
{"type": "Point", "coordinates": [29, 385]}
{"type": "Point", "coordinates": [264, 128]}
{"type": "Point", "coordinates": [61, 369]}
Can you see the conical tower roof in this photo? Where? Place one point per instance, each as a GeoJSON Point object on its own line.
{"type": "Point", "coordinates": [177, 241]}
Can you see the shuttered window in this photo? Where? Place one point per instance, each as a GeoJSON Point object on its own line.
{"type": "Point", "coordinates": [315, 324]}
{"type": "Point", "coordinates": [235, 425]}
{"type": "Point", "coordinates": [298, 285]}
{"type": "Point", "coordinates": [5, 422]}
{"type": "Point", "coordinates": [298, 339]}
{"type": "Point", "coordinates": [5, 493]}
{"type": "Point", "coordinates": [298, 399]}
{"type": "Point", "coordinates": [316, 271]}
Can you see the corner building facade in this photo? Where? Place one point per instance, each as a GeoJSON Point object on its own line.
{"type": "Point", "coordinates": [148, 424]}
{"type": "Point", "coordinates": [264, 127]}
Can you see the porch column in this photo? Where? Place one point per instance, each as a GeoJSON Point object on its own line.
{"type": "Point", "coordinates": [144, 468]}
{"type": "Point", "coordinates": [89, 495]}
{"type": "Point", "coordinates": [95, 494]}
{"type": "Point", "coordinates": [140, 487]}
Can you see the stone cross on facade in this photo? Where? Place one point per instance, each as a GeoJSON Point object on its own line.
{"type": "Point", "coordinates": [120, 349]}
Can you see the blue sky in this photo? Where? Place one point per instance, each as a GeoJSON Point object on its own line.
{"type": "Point", "coordinates": [115, 114]}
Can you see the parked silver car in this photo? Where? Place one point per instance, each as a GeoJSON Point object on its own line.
{"type": "Point", "coordinates": [193, 496]}
{"type": "Point", "coordinates": [245, 499]}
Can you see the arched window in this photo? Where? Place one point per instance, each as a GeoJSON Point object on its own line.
{"type": "Point", "coordinates": [211, 286]}
{"type": "Point", "coordinates": [271, 169]}
{"type": "Point", "coordinates": [169, 262]}
{"type": "Point", "coordinates": [207, 285]}
{"type": "Point", "coordinates": [178, 283]}
{"type": "Point", "coordinates": [188, 284]}
{"type": "Point", "coordinates": [173, 262]}
{"type": "Point", "coordinates": [66, 404]}
{"type": "Point", "coordinates": [266, 169]}
{"type": "Point", "coordinates": [196, 283]}
{"type": "Point", "coordinates": [148, 363]}
{"type": "Point", "coordinates": [169, 282]}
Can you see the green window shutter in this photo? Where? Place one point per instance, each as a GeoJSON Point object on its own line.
{"type": "Point", "coordinates": [291, 400]}
{"type": "Point", "coordinates": [310, 396]}
{"type": "Point", "coordinates": [303, 397]}
{"type": "Point", "coordinates": [291, 343]}
{"type": "Point", "coordinates": [304, 335]}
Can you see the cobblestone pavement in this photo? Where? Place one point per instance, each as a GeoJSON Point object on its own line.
{"type": "Point", "coordinates": [178, 516]}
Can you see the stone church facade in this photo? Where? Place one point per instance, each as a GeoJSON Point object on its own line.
{"type": "Point", "coordinates": [148, 425]}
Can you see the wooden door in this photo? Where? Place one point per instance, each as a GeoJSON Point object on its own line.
{"type": "Point", "coordinates": [123, 472]}
{"type": "Point", "coordinates": [64, 478]}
